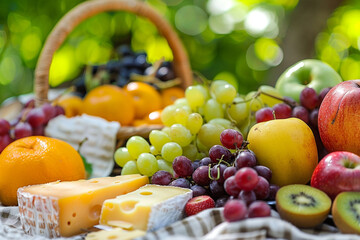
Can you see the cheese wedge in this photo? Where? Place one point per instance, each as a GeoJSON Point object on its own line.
{"type": "Point", "coordinates": [115, 234]}
{"type": "Point", "coordinates": [148, 208]}
{"type": "Point", "coordinates": [67, 208]}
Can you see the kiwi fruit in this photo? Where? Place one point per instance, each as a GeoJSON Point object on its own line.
{"type": "Point", "coordinates": [346, 212]}
{"type": "Point", "coordinates": [302, 205]}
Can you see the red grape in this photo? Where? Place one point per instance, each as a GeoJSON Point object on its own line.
{"type": "Point", "coordinates": [235, 210]}
{"type": "Point", "coordinates": [263, 171]}
{"type": "Point", "coordinates": [247, 196]}
{"type": "Point", "coordinates": [35, 117]}
{"type": "Point", "coordinates": [245, 158]}
{"type": "Point", "coordinates": [216, 189]}
{"type": "Point", "coordinates": [220, 202]}
{"type": "Point", "coordinates": [217, 172]}
{"type": "Point", "coordinates": [262, 189]}
{"type": "Point", "coordinates": [4, 127]}
{"type": "Point", "coordinates": [39, 131]}
{"type": "Point", "coordinates": [272, 192]}
{"type": "Point", "coordinates": [198, 190]}
{"type": "Point", "coordinates": [259, 209]}
{"type": "Point", "coordinates": [218, 152]}
{"type": "Point", "coordinates": [4, 141]}
{"type": "Point", "coordinates": [282, 110]}
{"type": "Point", "coordinates": [59, 110]}
{"type": "Point", "coordinates": [180, 182]}
{"type": "Point", "coordinates": [205, 161]}
{"type": "Point", "coordinates": [182, 166]}
{"type": "Point", "coordinates": [313, 117]}
{"type": "Point", "coordinates": [195, 164]}
{"type": "Point", "coordinates": [201, 176]}
{"type": "Point", "coordinates": [49, 111]}
{"type": "Point", "coordinates": [231, 139]}
{"type": "Point", "coordinates": [264, 114]}
{"type": "Point", "coordinates": [323, 93]}
{"type": "Point", "coordinates": [309, 98]}
{"type": "Point", "coordinates": [246, 178]}
{"type": "Point", "coordinates": [229, 171]}
{"type": "Point", "coordinates": [161, 178]}
{"type": "Point", "coordinates": [301, 113]}
{"type": "Point", "coordinates": [22, 129]}
{"type": "Point", "coordinates": [231, 187]}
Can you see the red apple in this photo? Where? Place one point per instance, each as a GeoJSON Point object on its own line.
{"type": "Point", "coordinates": [339, 118]}
{"type": "Point", "coordinates": [337, 172]}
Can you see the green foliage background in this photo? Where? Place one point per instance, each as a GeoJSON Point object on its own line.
{"type": "Point", "coordinates": [231, 39]}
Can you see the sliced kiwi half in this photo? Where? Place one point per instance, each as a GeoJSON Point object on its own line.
{"type": "Point", "coordinates": [302, 205]}
{"type": "Point", "coordinates": [346, 212]}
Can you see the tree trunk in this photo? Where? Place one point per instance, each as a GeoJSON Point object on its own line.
{"type": "Point", "coordinates": [306, 21]}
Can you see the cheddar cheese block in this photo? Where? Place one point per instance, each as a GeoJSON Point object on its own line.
{"type": "Point", "coordinates": [148, 208]}
{"type": "Point", "coordinates": [67, 208]}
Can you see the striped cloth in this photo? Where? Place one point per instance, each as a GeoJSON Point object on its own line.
{"type": "Point", "coordinates": [207, 225]}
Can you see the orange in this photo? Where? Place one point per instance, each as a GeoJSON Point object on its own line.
{"type": "Point", "coordinates": [111, 103]}
{"type": "Point", "coordinates": [72, 105]}
{"type": "Point", "coordinates": [152, 118]}
{"type": "Point", "coordinates": [36, 160]}
{"type": "Point", "coordinates": [169, 95]}
{"type": "Point", "coordinates": [146, 98]}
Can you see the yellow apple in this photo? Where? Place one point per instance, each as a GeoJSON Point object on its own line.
{"type": "Point", "coordinates": [287, 147]}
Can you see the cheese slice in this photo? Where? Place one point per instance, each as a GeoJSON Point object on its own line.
{"type": "Point", "coordinates": [115, 234]}
{"type": "Point", "coordinates": [66, 208]}
{"type": "Point", "coordinates": [148, 208]}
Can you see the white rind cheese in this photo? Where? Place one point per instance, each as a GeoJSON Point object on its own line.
{"type": "Point", "coordinates": [100, 145]}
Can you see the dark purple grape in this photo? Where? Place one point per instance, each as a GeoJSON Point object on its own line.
{"type": "Point", "coordinates": [245, 158]}
{"type": "Point", "coordinates": [217, 172]}
{"type": "Point", "coordinates": [309, 98]}
{"type": "Point", "coordinates": [301, 113]}
{"type": "Point", "coordinates": [246, 178]}
{"type": "Point", "coordinates": [36, 117]}
{"type": "Point", "coordinates": [313, 117]}
{"type": "Point", "coordinates": [161, 178]}
{"type": "Point", "coordinates": [221, 201]}
{"type": "Point", "coordinates": [198, 190]}
{"type": "Point", "coordinates": [229, 171]}
{"type": "Point", "coordinates": [38, 131]}
{"type": "Point", "coordinates": [218, 152]}
{"type": "Point", "coordinates": [282, 110]}
{"type": "Point", "coordinates": [4, 141]}
{"type": "Point", "coordinates": [231, 139]}
{"type": "Point", "coordinates": [290, 101]}
{"type": "Point", "coordinates": [272, 192]}
{"type": "Point", "coordinates": [196, 164]}
{"type": "Point", "coordinates": [4, 127]}
{"type": "Point", "coordinates": [264, 171]}
{"type": "Point", "coordinates": [235, 210]}
{"type": "Point", "coordinates": [262, 189]}
{"type": "Point", "coordinates": [22, 129]}
{"type": "Point", "coordinates": [264, 114]}
{"type": "Point", "coordinates": [205, 161]}
{"type": "Point", "coordinates": [231, 187]}
{"type": "Point", "coordinates": [182, 166]}
{"type": "Point", "coordinates": [201, 176]}
{"type": "Point", "coordinates": [247, 196]}
{"type": "Point", "coordinates": [217, 189]}
{"type": "Point", "coordinates": [323, 93]}
{"type": "Point", "coordinates": [259, 209]}
{"type": "Point", "coordinates": [180, 182]}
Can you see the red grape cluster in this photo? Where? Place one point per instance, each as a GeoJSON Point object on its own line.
{"type": "Point", "coordinates": [307, 110]}
{"type": "Point", "coordinates": [30, 122]}
{"type": "Point", "coordinates": [230, 172]}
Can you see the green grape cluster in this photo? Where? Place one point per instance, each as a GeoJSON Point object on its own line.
{"type": "Point", "coordinates": [192, 125]}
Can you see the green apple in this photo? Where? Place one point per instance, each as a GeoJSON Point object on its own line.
{"type": "Point", "coordinates": [287, 147]}
{"type": "Point", "coordinates": [307, 73]}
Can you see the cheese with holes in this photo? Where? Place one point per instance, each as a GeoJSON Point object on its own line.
{"type": "Point", "coordinates": [67, 208]}
{"type": "Point", "coordinates": [148, 208]}
{"type": "Point", "coordinates": [115, 234]}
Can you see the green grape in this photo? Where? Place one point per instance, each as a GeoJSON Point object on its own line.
{"type": "Point", "coordinates": [166, 130]}
{"type": "Point", "coordinates": [158, 138]}
{"type": "Point", "coordinates": [190, 151]}
{"type": "Point", "coordinates": [180, 135]}
{"type": "Point", "coordinates": [137, 145]}
{"type": "Point", "coordinates": [181, 102]}
{"type": "Point", "coordinates": [181, 115]}
{"type": "Point", "coordinates": [238, 112]}
{"type": "Point", "coordinates": [223, 122]}
{"type": "Point", "coordinates": [154, 151]}
{"type": "Point", "coordinates": [204, 90]}
{"type": "Point", "coordinates": [130, 168]}
{"type": "Point", "coordinates": [213, 109]}
{"type": "Point", "coordinates": [215, 85]}
{"type": "Point", "coordinates": [225, 93]}
{"type": "Point", "coordinates": [122, 156]}
{"type": "Point", "coordinates": [194, 122]}
{"type": "Point", "coordinates": [165, 165]}
{"type": "Point", "coordinates": [194, 96]}
{"type": "Point", "coordinates": [170, 151]}
{"type": "Point", "coordinates": [209, 135]}
{"type": "Point", "coordinates": [147, 164]}
{"type": "Point", "coordinates": [255, 103]}
{"type": "Point", "coordinates": [167, 115]}
{"type": "Point", "coordinates": [267, 100]}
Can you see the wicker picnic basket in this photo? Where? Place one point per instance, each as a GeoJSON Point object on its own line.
{"type": "Point", "coordinates": [88, 9]}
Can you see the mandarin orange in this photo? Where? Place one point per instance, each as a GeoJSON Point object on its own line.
{"type": "Point", "coordinates": [169, 95]}
{"type": "Point", "coordinates": [71, 104]}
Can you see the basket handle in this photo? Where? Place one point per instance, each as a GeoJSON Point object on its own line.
{"type": "Point", "coordinates": [88, 9]}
